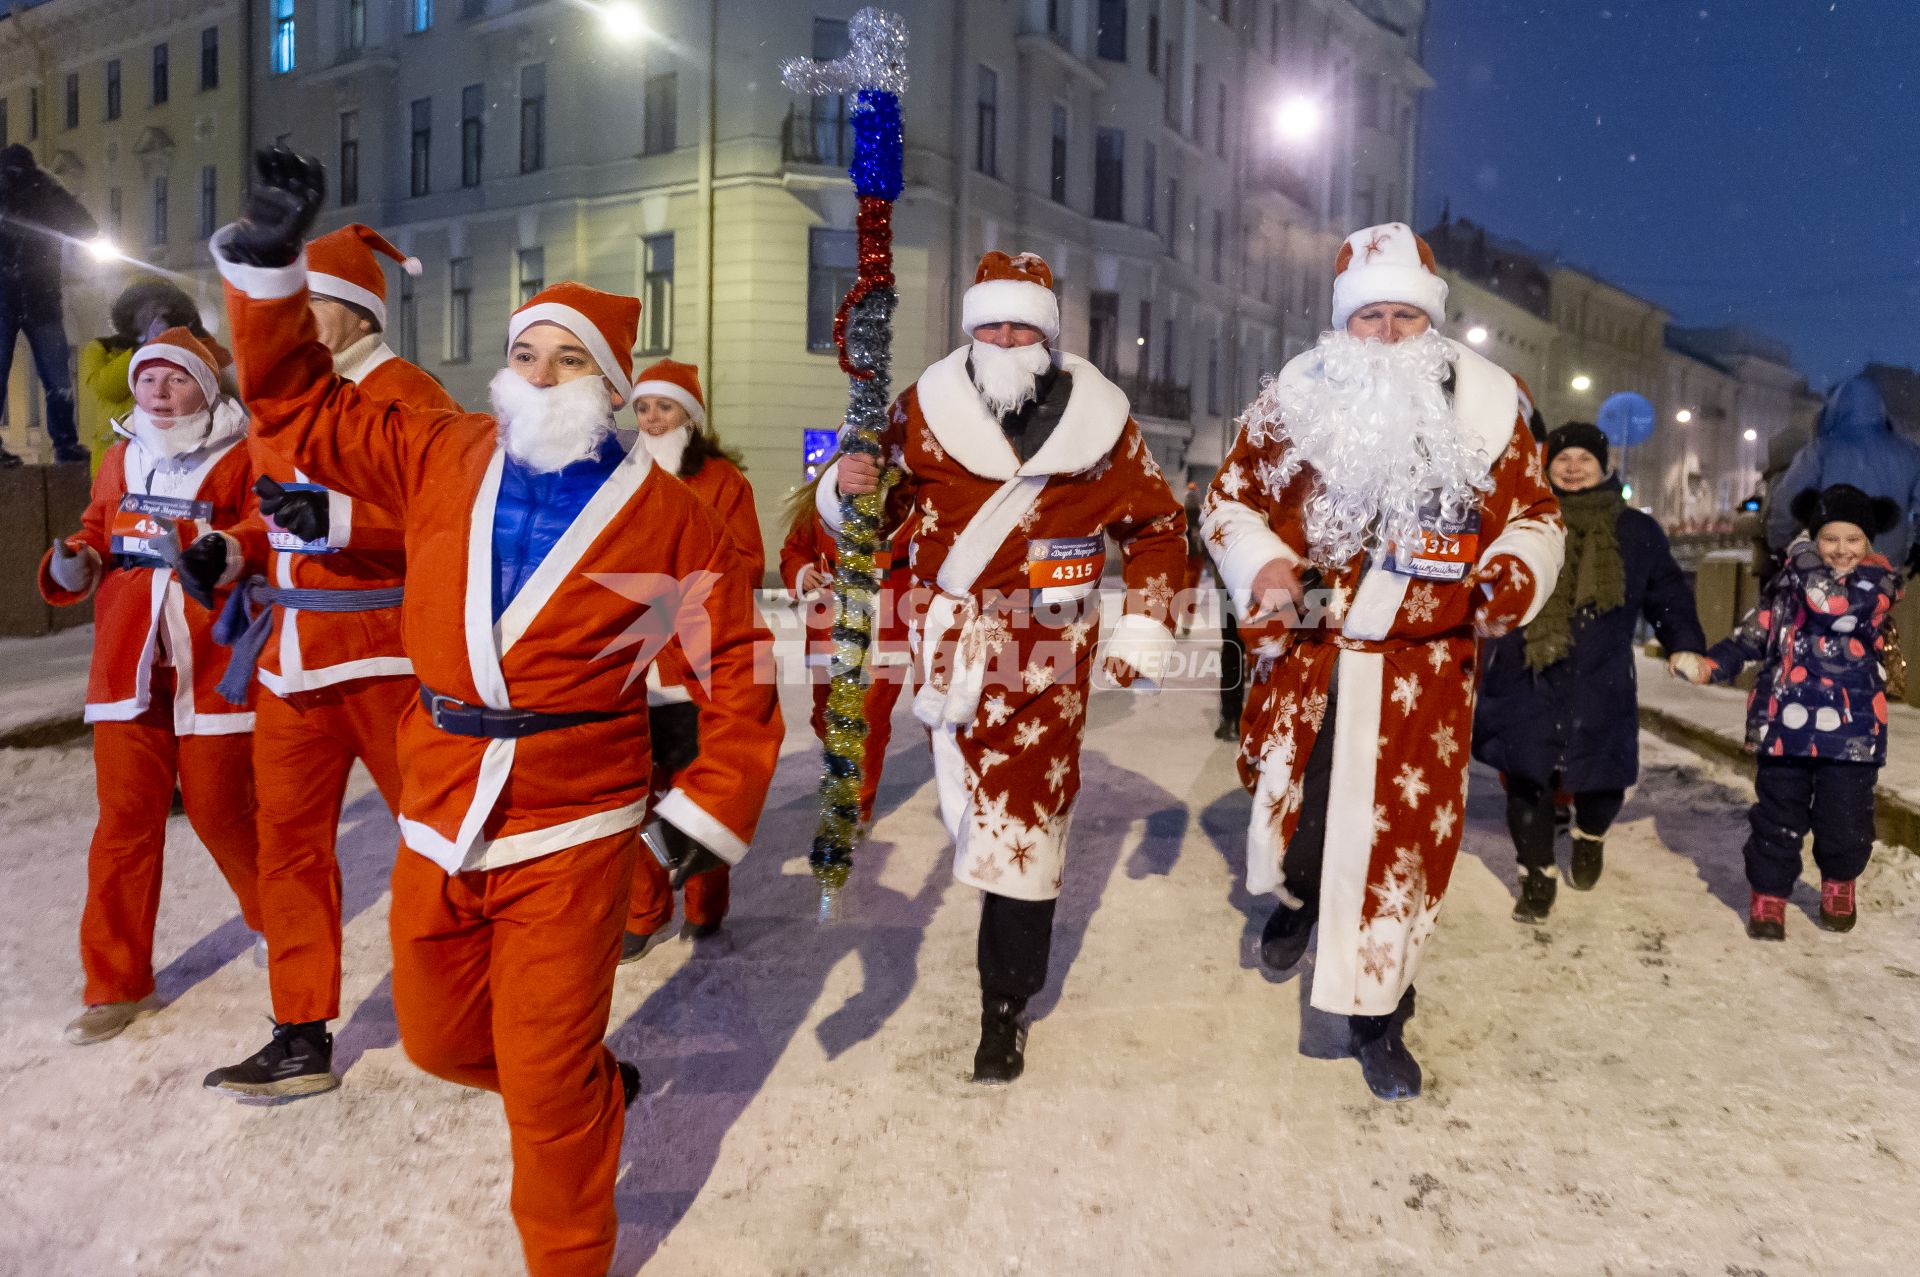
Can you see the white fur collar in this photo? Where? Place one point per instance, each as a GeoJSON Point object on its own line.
{"type": "Point", "coordinates": [1486, 398]}
{"type": "Point", "coordinates": [966, 428]}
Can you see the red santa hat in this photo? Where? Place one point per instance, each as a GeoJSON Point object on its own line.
{"type": "Point", "coordinates": [1387, 263]}
{"type": "Point", "coordinates": [1012, 290]}
{"type": "Point", "coordinates": [341, 265]}
{"type": "Point", "coordinates": [201, 358]}
{"type": "Point", "coordinates": [605, 323]}
{"type": "Point", "coordinates": [679, 382]}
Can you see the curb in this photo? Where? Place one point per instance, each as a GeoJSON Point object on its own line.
{"type": "Point", "coordinates": [40, 733]}
{"type": "Point", "coordinates": [1896, 819]}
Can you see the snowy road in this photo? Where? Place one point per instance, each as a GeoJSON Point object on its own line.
{"type": "Point", "coordinates": [1634, 1089]}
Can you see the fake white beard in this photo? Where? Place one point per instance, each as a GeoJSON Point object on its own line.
{"type": "Point", "coordinates": [1005, 375]}
{"type": "Point", "coordinates": [667, 449]}
{"type": "Point", "coordinates": [177, 437]}
{"type": "Point", "coordinates": [549, 428]}
{"type": "Point", "coordinates": [1375, 425]}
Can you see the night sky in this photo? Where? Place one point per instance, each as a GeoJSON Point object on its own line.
{"type": "Point", "coordinates": [1754, 162]}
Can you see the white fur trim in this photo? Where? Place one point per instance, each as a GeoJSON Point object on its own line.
{"type": "Point", "coordinates": [204, 375]}
{"type": "Point", "coordinates": [1542, 547]}
{"type": "Point", "coordinates": [345, 290]}
{"type": "Point", "coordinates": [483, 645]}
{"type": "Point", "coordinates": [261, 283]}
{"type": "Point", "coordinates": [675, 392]}
{"type": "Point", "coordinates": [519, 848]}
{"type": "Point", "coordinates": [1096, 414]}
{"type": "Point", "coordinates": [680, 811]}
{"type": "Point", "coordinates": [826, 498]}
{"type": "Point", "coordinates": [339, 519]}
{"type": "Point", "coordinates": [584, 330]}
{"type": "Point", "coordinates": [1011, 301]}
{"type": "Point", "coordinates": [1145, 644]}
{"type": "Point", "coordinates": [1415, 285]}
{"type": "Point", "coordinates": [1376, 604]}
{"type": "Point", "coordinates": [1249, 544]}
{"type": "Point", "coordinates": [309, 680]}
{"type": "Point", "coordinates": [1349, 836]}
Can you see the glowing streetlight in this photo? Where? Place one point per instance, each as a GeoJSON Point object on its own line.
{"type": "Point", "coordinates": [103, 249]}
{"type": "Point", "coordinates": [623, 22]}
{"type": "Point", "coordinates": [1297, 120]}
{"type": "Point", "coordinates": [1582, 383]}
{"type": "Point", "coordinates": [1750, 435]}
{"type": "Point", "coordinates": [1477, 335]}
{"type": "Point", "coordinates": [1683, 416]}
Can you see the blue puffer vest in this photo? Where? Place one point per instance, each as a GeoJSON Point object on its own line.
{"type": "Point", "coordinates": [534, 510]}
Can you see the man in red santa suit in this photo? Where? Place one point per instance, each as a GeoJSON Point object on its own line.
{"type": "Point", "coordinates": [672, 413]}
{"type": "Point", "coordinates": [547, 563]}
{"type": "Point", "coordinates": [319, 612]}
{"type": "Point", "coordinates": [1018, 462]}
{"type": "Point", "coordinates": [181, 466]}
{"type": "Point", "coordinates": [1382, 510]}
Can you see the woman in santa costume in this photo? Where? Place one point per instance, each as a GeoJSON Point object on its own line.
{"type": "Point", "coordinates": [181, 467]}
{"type": "Point", "coordinates": [1018, 463]}
{"type": "Point", "coordinates": [1382, 510]}
{"type": "Point", "coordinates": [808, 560]}
{"type": "Point", "coordinates": [672, 413]}
{"type": "Point", "coordinates": [547, 565]}
{"type": "Point", "coordinates": [319, 614]}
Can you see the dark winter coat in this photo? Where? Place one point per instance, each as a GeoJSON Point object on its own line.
{"type": "Point", "coordinates": [1817, 636]}
{"type": "Point", "coordinates": [37, 216]}
{"type": "Point", "coordinates": [1854, 442]}
{"type": "Point", "coordinates": [1576, 724]}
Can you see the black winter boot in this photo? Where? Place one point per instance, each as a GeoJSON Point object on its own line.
{"type": "Point", "coordinates": [629, 1082]}
{"type": "Point", "coordinates": [1391, 1072]}
{"type": "Point", "coordinates": [1001, 1054]}
{"type": "Point", "coordinates": [1283, 941]}
{"type": "Point", "coordinates": [1537, 890]}
{"type": "Point", "coordinates": [298, 1061]}
{"type": "Point", "coordinates": [1588, 855]}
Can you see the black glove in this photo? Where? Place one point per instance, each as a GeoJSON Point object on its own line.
{"type": "Point", "coordinates": [280, 208]}
{"type": "Point", "coordinates": [686, 857]}
{"type": "Point", "coordinates": [201, 566]}
{"type": "Point", "coordinates": [302, 513]}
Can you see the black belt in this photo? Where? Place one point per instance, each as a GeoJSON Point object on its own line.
{"type": "Point", "coordinates": [457, 718]}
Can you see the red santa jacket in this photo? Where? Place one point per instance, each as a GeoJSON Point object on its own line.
{"type": "Point", "coordinates": [141, 616]}
{"type": "Point", "coordinates": [643, 562]}
{"type": "Point", "coordinates": [308, 650]}
{"type": "Point", "coordinates": [719, 483]}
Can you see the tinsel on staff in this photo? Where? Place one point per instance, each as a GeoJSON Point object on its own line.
{"type": "Point", "coordinates": [875, 72]}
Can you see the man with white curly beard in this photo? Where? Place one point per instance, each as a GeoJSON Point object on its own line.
{"type": "Point", "coordinates": [547, 564]}
{"type": "Point", "coordinates": [1382, 509]}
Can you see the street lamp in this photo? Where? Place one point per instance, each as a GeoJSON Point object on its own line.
{"type": "Point", "coordinates": [1750, 435]}
{"type": "Point", "coordinates": [1683, 416]}
{"type": "Point", "coordinates": [103, 249]}
{"type": "Point", "coordinates": [623, 22]}
{"type": "Point", "coordinates": [1582, 383]}
{"type": "Point", "coordinates": [1297, 119]}
{"type": "Point", "coordinates": [1477, 335]}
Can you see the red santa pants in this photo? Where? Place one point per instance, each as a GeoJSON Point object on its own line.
{"type": "Point", "coordinates": [882, 693]}
{"type": "Point", "coordinates": [503, 979]}
{"type": "Point", "coordinates": [303, 748]}
{"type": "Point", "coordinates": [135, 765]}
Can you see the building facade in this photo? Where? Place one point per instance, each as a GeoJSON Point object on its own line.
{"type": "Point", "coordinates": [139, 107]}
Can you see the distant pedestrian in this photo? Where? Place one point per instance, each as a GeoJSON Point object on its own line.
{"type": "Point", "coordinates": [1854, 443]}
{"type": "Point", "coordinates": [1817, 716]}
{"type": "Point", "coordinates": [144, 309]}
{"type": "Point", "coordinates": [37, 219]}
{"type": "Point", "coordinates": [1557, 709]}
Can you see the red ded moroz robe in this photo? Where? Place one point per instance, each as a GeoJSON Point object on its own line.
{"type": "Point", "coordinates": [644, 561]}
{"type": "Point", "coordinates": [1404, 651]}
{"type": "Point", "coordinates": [1004, 686]}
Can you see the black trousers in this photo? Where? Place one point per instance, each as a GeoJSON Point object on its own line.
{"type": "Point", "coordinates": [1530, 817]}
{"type": "Point", "coordinates": [1233, 669]}
{"type": "Point", "coordinates": [1016, 940]}
{"type": "Point", "coordinates": [1832, 798]}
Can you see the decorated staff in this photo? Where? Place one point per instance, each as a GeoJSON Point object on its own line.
{"type": "Point", "coordinates": [875, 71]}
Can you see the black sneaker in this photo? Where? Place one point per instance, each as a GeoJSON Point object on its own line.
{"type": "Point", "coordinates": [1588, 857]}
{"type": "Point", "coordinates": [634, 946]}
{"type": "Point", "coordinates": [700, 930]}
{"type": "Point", "coordinates": [1537, 890]}
{"type": "Point", "coordinates": [1227, 731]}
{"type": "Point", "coordinates": [1001, 1056]}
{"type": "Point", "coordinates": [299, 1061]}
{"type": "Point", "coordinates": [629, 1082]}
{"type": "Point", "coordinates": [1283, 941]}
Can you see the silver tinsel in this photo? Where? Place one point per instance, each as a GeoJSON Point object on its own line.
{"type": "Point", "coordinates": [876, 60]}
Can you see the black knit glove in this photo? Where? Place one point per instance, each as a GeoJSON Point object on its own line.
{"type": "Point", "coordinates": [302, 513]}
{"type": "Point", "coordinates": [280, 208]}
{"type": "Point", "coordinates": [686, 856]}
{"type": "Point", "coordinates": [200, 568]}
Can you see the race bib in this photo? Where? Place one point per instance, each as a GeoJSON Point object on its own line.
{"type": "Point", "coordinates": [286, 542]}
{"type": "Point", "coordinates": [1062, 569]}
{"type": "Point", "coordinates": [143, 519]}
{"type": "Point", "coordinates": [1447, 551]}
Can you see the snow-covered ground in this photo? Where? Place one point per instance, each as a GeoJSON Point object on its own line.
{"type": "Point", "coordinates": [1634, 1088]}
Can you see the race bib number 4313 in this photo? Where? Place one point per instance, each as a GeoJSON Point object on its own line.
{"type": "Point", "coordinates": [141, 520]}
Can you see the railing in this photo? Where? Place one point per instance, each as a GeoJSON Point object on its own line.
{"type": "Point", "coordinates": [1152, 397]}
{"type": "Point", "coordinates": [818, 133]}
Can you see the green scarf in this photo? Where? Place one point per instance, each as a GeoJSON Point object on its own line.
{"type": "Point", "coordinates": [1592, 576]}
